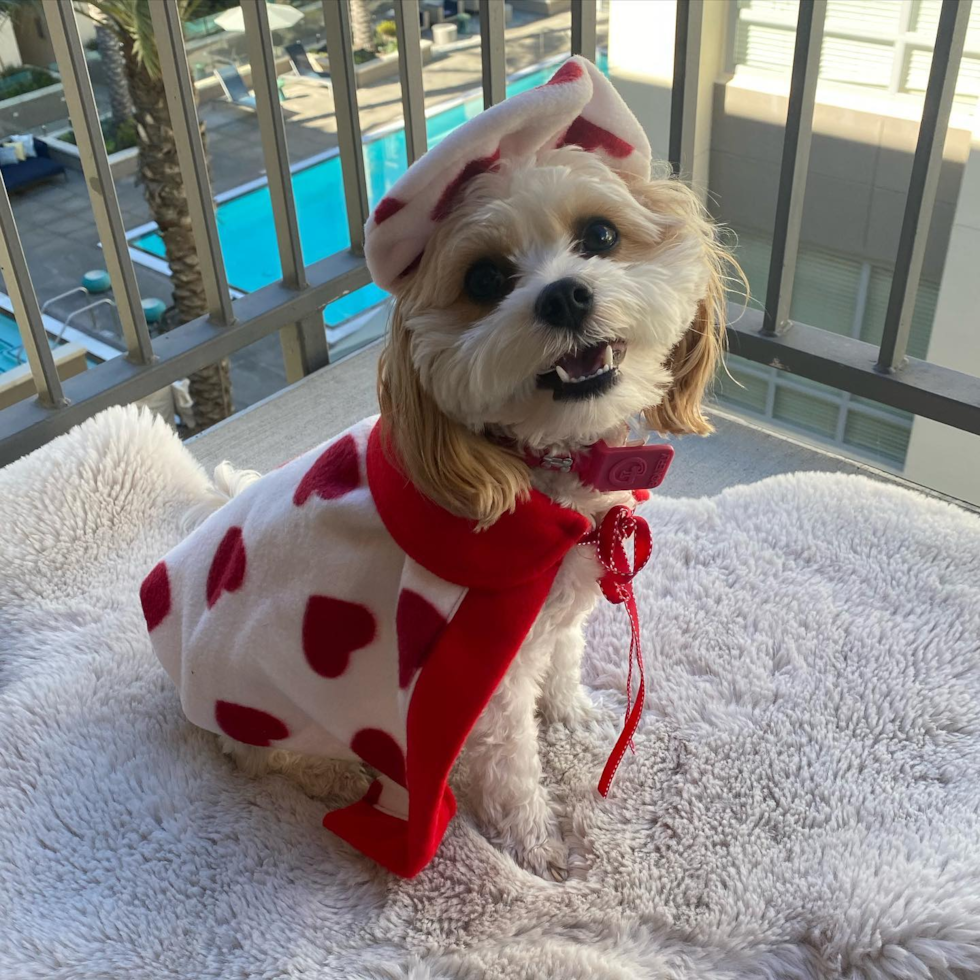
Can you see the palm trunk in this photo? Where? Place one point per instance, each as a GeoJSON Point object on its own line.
{"type": "Point", "coordinates": [163, 187]}
{"type": "Point", "coordinates": [114, 66]}
{"type": "Point", "coordinates": [362, 36]}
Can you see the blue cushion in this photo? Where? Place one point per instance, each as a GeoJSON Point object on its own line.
{"type": "Point", "coordinates": [27, 141]}
{"type": "Point", "coordinates": [30, 171]}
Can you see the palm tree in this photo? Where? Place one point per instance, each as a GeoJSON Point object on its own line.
{"type": "Point", "coordinates": [362, 33]}
{"type": "Point", "coordinates": [163, 184]}
{"type": "Point", "coordinates": [7, 10]}
{"type": "Point", "coordinates": [114, 66]}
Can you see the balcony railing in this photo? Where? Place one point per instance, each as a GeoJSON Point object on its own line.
{"type": "Point", "coordinates": [294, 305]}
{"type": "Point", "coordinates": [884, 374]}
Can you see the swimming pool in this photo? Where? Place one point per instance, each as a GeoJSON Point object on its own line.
{"type": "Point", "coordinates": [245, 222]}
{"type": "Point", "coordinates": [12, 352]}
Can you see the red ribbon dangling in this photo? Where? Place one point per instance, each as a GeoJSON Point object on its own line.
{"type": "Point", "coordinates": [617, 527]}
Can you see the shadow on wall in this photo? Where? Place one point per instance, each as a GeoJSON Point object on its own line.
{"type": "Point", "coordinates": [858, 179]}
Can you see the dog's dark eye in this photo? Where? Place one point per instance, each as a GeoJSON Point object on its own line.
{"type": "Point", "coordinates": [488, 281]}
{"type": "Point", "coordinates": [599, 236]}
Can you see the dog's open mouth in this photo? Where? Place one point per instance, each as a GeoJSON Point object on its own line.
{"type": "Point", "coordinates": [585, 373]}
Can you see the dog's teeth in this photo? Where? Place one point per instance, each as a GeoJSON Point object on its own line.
{"type": "Point", "coordinates": [605, 368]}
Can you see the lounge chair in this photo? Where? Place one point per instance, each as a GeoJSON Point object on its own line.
{"type": "Point", "coordinates": [33, 170]}
{"type": "Point", "coordinates": [234, 86]}
{"type": "Point", "coordinates": [302, 65]}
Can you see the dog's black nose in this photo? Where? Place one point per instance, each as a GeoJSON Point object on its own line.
{"type": "Point", "coordinates": [564, 303]}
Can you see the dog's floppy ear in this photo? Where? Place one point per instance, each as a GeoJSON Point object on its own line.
{"type": "Point", "coordinates": [461, 471]}
{"type": "Point", "coordinates": [692, 364]}
{"type": "Point", "coordinates": [578, 106]}
{"type": "Point", "coordinates": [696, 356]}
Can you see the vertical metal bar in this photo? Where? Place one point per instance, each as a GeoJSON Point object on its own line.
{"type": "Point", "coordinates": [840, 429]}
{"type": "Point", "coordinates": [861, 302]}
{"type": "Point", "coordinates": [926, 166]}
{"type": "Point", "coordinates": [84, 115]}
{"type": "Point", "coordinates": [336, 24]}
{"type": "Point", "coordinates": [274, 148]}
{"type": "Point", "coordinates": [492, 48]}
{"type": "Point", "coordinates": [796, 159]}
{"type": "Point", "coordinates": [191, 156]}
{"type": "Point", "coordinates": [770, 410]}
{"type": "Point", "coordinates": [410, 70]}
{"type": "Point", "coordinates": [684, 89]}
{"type": "Point", "coordinates": [304, 344]}
{"type": "Point", "coordinates": [17, 279]}
{"type": "Point", "coordinates": [583, 28]}
{"type": "Point", "coordinates": [731, 26]}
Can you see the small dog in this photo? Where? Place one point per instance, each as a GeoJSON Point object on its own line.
{"type": "Point", "coordinates": [560, 297]}
{"type": "Point", "coordinates": [557, 303]}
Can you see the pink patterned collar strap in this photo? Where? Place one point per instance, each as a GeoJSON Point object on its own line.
{"type": "Point", "coordinates": [604, 467]}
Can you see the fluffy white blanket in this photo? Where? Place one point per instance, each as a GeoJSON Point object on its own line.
{"type": "Point", "coordinates": [804, 800]}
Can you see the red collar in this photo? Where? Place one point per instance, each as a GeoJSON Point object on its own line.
{"type": "Point", "coordinates": [517, 548]}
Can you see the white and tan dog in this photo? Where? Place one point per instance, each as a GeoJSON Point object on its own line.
{"type": "Point", "coordinates": [547, 292]}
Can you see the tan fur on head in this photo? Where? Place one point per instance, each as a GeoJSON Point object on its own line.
{"type": "Point", "coordinates": [459, 381]}
{"type": "Point", "coordinates": [693, 362]}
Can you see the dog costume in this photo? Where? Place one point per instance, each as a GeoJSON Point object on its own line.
{"type": "Point", "coordinates": [332, 609]}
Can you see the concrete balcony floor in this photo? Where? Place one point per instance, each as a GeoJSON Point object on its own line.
{"type": "Point", "coordinates": [317, 408]}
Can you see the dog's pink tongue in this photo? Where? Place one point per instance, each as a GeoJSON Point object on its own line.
{"type": "Point", "coordinates": [580, 363]}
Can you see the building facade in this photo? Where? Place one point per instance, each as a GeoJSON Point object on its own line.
{"type": "Point", "coordinates": [874, 65]}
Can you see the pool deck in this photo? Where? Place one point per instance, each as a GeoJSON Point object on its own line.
{"type": "Point", "coordinates": [58, 230]}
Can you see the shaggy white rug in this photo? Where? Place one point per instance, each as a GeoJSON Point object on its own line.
{"type": "Point", "coordinates": [804, 800]}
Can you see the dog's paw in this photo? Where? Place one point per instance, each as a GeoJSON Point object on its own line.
{"type": "Point", "coordinates": [547, 860]}
{"type": "Point", "coordinates": [574, 712]}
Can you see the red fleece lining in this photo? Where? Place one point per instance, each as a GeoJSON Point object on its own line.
{"type": "Point", "coordinates": [448, 198]}
{"type": "Point", "coordinates": [462, 672]}
{"type": "Point", "coordinates": [520, 546]}
{"type": "Point", "coordinates": [591, 137]}
{"type": "Point", "coordinates": [460, 678]}
{"type": "Point", "coordinates": [569, 72]}
{"type": "Point", "coordinates": [509, 569]}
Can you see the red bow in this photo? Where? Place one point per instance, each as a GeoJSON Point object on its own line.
{"type": "Point", "coordinates": [618, 526]}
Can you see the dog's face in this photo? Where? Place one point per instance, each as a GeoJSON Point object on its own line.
{"type": "Point", "coordinates": [554, 302]}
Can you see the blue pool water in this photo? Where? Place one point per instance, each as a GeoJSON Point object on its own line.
{"type": "Point", "coordinates": [9, 343]}
{"type": "Point", "coordinates": [11, 352]}
{"type": "Point", "coordinates": [247, 230]}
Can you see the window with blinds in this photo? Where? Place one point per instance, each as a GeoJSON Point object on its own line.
{"type": "Point", "coordinates": [847, 296]}
{"type": "Point", "coordinates": [881, 45]}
